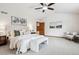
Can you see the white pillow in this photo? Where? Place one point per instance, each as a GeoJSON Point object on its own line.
{"type": "Point", "coordinates": [24, 32]}
{"type": "Point", "coordinates": [74, 33]}
{"type": "Point", "coordinates": [12, 33]}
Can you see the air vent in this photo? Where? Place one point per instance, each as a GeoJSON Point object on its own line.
{"type": "Point", "coordinates": [3, 12]}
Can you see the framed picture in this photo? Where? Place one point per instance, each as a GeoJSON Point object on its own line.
{"type": "Point", "coordinates": [14, 20]}
{"type": "Point", "coordinates": [18, 21]}
{"type": "Point", "coordinates": [55, 25]}
{"type": "Point", "coordinates": [23, 21]}
{"type": "Point", "coordinates": [52, 26]}
{"type": "Point", "coordinates": [59, 26]}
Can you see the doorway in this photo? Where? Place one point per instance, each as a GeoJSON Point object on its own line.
{"type": "Point", "coordinates": [40, 28]}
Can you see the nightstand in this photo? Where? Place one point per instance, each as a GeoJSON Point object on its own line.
{"type": "Point", "coordinates": [3, 40]}
{"type": "Point", "coordinates": [33, 32]}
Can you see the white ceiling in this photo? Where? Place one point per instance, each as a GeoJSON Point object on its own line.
{"type": "Point", "coordinates": [25, 7]}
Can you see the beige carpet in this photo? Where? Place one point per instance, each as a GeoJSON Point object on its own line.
{"type": "Point", "coordinates": [56, 46]}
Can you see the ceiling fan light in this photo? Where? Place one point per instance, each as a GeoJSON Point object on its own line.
{"type": "Point", "coordinates": [44, 8]}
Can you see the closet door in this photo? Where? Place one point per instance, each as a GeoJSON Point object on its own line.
{"type": "Point", "coordinates": [40, 28]}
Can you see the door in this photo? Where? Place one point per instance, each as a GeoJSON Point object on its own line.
{"type": "Point", "coordinates": [40, 28]}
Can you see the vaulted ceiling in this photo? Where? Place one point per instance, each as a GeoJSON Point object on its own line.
{"type": "Point", "coordinates": [28, 10]}
{"type": "Point", "coordinates": [29, 7]}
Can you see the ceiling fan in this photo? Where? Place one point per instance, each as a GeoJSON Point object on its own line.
{"type": "Point", "coordinates": [45, 7]}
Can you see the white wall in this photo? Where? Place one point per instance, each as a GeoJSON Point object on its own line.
{"type": "Point", "coordinates": [23, 10]}
{"type": "Point", "coordinates": [70, 23]}
{"type": "Point", "coordinates": [17, 10]}
{"type": "Point", "coordinates": [62, 12]}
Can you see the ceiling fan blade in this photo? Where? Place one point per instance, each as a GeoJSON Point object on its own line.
{"type": "Point", "coordinates": [42, 4]}
{"type": "Point", "coordinates": [51, 8]}
{"type": "Point", "coordinates": [38, 8]}
{"type": "Point", "coordinates": [51, 4]}
{"type": "Point", "coordinates": [43, 11]}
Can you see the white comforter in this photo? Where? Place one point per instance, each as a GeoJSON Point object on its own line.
{"type": "Point", "coordinates": [16, 41]}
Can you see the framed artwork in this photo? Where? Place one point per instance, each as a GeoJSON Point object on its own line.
{"type": "Point", "coordinates": [23, 21]}
{"type": "Point", "coordinates": [59, 26]}
{"type": "Point", "coordinates": [52, 26]}
{"type": "Point", "coordinates": [18, 21]}
{"type": "Point", "coordinates": [55, 25]}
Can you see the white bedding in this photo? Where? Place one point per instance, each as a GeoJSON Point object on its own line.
{"type": "Point", "coordinates": [23, 42]}
{"type": "Point", "coordinates": [28, 38]}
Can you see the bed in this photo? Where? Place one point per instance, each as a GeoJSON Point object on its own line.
{"type": "Point", "coordinates": [24, 42]}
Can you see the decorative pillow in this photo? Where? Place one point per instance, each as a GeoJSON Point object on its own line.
{"type": "Point", "coordinates": [16, 33]}
{"type": "Point", "coordinates": [25, 31]}
{"type": "Point", "coordinates": [74, 33]}
{"type": "Point", "coordinates": [69, 33]}
{"type": "Point", "coordinates": [12, 33]}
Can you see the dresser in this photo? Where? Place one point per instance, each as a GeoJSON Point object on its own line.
{"type": "Point", "coordinates": [3, 40]}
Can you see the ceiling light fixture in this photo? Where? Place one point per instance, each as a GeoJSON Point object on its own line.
{"type": "Point", "coordinates": [45, 7]}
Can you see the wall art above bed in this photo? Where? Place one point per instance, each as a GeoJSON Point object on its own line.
{"type": "Point", "coordinates": [18, 21]}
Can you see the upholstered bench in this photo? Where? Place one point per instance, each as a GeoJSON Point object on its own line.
{"type": "Point", "coordinates": [34, 45]}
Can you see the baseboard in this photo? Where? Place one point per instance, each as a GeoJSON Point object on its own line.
{"type": "Point", "coordinates": [54, 36]}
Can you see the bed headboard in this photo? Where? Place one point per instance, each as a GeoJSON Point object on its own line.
{"type": "Point", "coordinates": [18, 32]}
